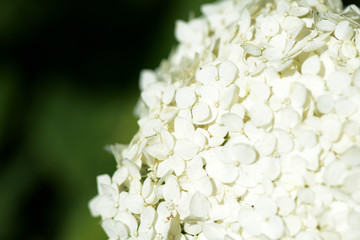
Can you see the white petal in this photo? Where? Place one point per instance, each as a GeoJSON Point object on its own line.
{"type": "Point", "coordinates": [162, 212]}
{"type": "Point", "coordinates": [356, 78]}
{"type": "Point", "coordinates": [227, 72]}
{"type": "Point", "coordinates": [121, 201]}
{"type": "Point", "coordinates": [145, 233]}
{"type": "Point", "coordinates": [243, 153]}
{"type": "Point", "coordinates": [311, 65]}
{"type": "Point", "coordinates": [331, 127]}
{"type": "Point", "coordinates": [147, 188]}
{"type": "Point", "coordinates": [163, 168]}
{"type": "Point", "coordinates": [106, 206]}
{"type": "Point", "coordinates": [114, 229]}
{"type": "Point", "coordinates": [252, 132]}
{"type": "Point", "coordinates": [219, 212]}
{"type": "Point", "coordinates": [186, 33]}
{"type": "Point", "coordinates": [282, 7]}
{"type": "Point", "coordinates": [135, 203]}
{"type": "Point", "coordinates": [193, 229]}
{"type": "Point", "coordinates": [147, 77]}
{"type": "Point", "coordinates": [184, 113]}
{"type": "Point", "coordinates": [168, 95]}
{"type": "Point", "coordinates": [217, 130]}
{"type": "Point", "coordinates": [197, 162]}
{"type": "Point", "coordinates": [229, 96]}
{"type": "Point", "coordinates": [325, 103]}
{"type": "Point", "coordinates": [344, 107]}
{"type": "Point", "coordinates": [225, 173]}
{"type": "Point", "coordinates": [293, 224]}
{"type": "Point", "coordinates": [315, 84]}
{"type": "Point", "coordinates": [129, 220]}
{"type": "Point", "coordinates": [167, 139]}
{"type": "Point", "coordinates": [171, 190]}
{"type": "Point", "coordinates": [205, 186]}
{"type": "Point", "coordinates": [147, 216]}
{"type": "Point", "coordinates": [225, 154]}
{"type": "Point", "coordinates": [266, 144]}
{"type": "Point", "coordinates": [259, 92]}
{"type": "Point", "coordinates": [334, 173]}
{"type": "Point", "coordinates": [110, 190]}
{"type": "Point", "coordinates": [148, 127]}
{"type": "Point", "coordinates": [338, 81]}
{"type": "Point", "coordinates": [186, 148]}
{"type": "Point", "coordinates": [195, 172]}
{"type": "Point", "coordinates": [151, 97]}
{"type": "Point", "coordinates": [198, 138]}
{"type": "Point", "coordinates": [354, 220]}
{"type": "Point", "coordinates": [285, 142]}
{"type": "Point", "coordinates": [326, 26]}
{"type": "Point", "coordinates": [273, 228]}
{"type": "Point", "coordinates": [185, 97]}
{"type": "Point", "coordinates": [298, 11]}
{"type": "Point", "coordinates": [93, 206]}
{"type": "Point", "coordinates": [293, 25]}
{"type": "Point", "coordinates": [201, 112]}
{"type": "Point", "coordinates": [265, 206]}
{"type": "Point", "coordinates": [313, 46]}
{"type": "Point", "coordinates": [213, 231]}
{"type": "Point", "coordinates": [306, 195]}
{"type": "Point", "coordinates": [269, 26]}
{"type": "Point", "coordinates": [209, 94]}
{"type": "Point", "coordinates": [117, 150]}
{"type": "Point", "coordinates": [251, 220]}
{"type": "Point", "coordinates": [199, 205]}
{"type": "Point", "coordinates": [351, 156]}
{"type": "Point", "coordinates": [251, 49]}
{"type": "Point", "coordinates": [239, 110]}
{"type": "Point", "coordinates": [272, 170]}
{"type": "Point", "coordinates": [298, 95]}
{"type": "Point", "coordinates": [120, 175]}
{"type": "Point", "coordinates": [306, 138]}
{"type": "Point", "coordinates": [227, 237]}
{"type": "Point", "coordinates": [183, 127]}
{"type": "Point", "coordinates": [102, 179]}
{"type": "Point", "coordinates": [157, 150]}
{"type": "Point", "coordinates": [272, 54]}
{"type": "Point", "coordinates": [177, 163]}
{"type": "Point", "coordinates": [351, 128]}
{"type": "Point", "coordinates": [348, 49]}
{"type": "Point", "coordinates": [261, 115]}
{"type": "Point", "coordinates": [232, 122]}
{"type": "Point", "coordinates": [343, 31]}
{"type": "Point", "coordinates": [286, 205]}
{"type": "Point", "coordinates": [288, 118]}
{"type": "Point", "coordinates": [206, 74]}
{"type": "Point", "coordinates": [215, 141]}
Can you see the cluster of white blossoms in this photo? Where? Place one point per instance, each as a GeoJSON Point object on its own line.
{"type": "Point", "coordinates": [250, 130]}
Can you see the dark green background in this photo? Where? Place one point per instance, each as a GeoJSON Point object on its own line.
{"type": "Point", "coordinates": [68, 84]}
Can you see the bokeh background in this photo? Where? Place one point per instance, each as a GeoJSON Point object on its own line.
{"type": "Point", "coordinates": [69, 74]}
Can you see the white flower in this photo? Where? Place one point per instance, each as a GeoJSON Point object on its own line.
{"type": "Point", "coordinates": [172, 153]}
{"type": "Point", "coordinates": [115, 229]}
{"type": "Point", "coordinates": [250, 130]}
{"type": "Point", "coordinates": [269, 26]}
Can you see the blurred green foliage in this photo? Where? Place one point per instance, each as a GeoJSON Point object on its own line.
{"type": "Point", "coordinates": [68, 85]}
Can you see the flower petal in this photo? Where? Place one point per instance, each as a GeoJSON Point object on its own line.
{"type": "Point", "coordinates": [171, 190]}
{"type": "Point", "coordinates": [199, 205]}
{"type": "Point", "coordinates": [213, 231]}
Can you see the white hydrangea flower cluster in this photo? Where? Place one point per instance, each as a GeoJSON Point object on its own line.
{"type": "Point", "coordinates": [250, 130]}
